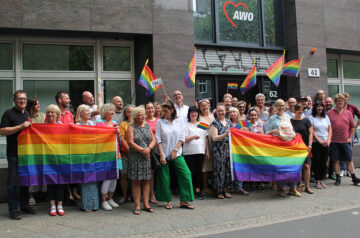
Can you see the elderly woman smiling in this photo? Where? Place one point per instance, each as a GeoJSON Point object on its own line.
{"type": "Point", "coordinates": [55, 191]}
{"type": "Point", "coordinates": [108, 186]}
{"type": "Point", "coordinates": [141, 141]}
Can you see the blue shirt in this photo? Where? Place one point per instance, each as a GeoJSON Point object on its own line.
{"type": "Point", "coordinates": [274, 122]}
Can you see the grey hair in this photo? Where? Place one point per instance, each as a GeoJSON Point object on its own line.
{"type": "Point", "coordinates": [259, 95]}
{"type": "Point", "coordinates": [125, 110]}
{"type": "Point", "coordinates": [105, 108]}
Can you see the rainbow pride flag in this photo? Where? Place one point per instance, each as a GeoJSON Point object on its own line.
{"type": "Point", "coordinates": [250, 81]}
{"type": "Point", "coordinates": [203, 126]}
{"type": "Point", "coordinates": [232, 86]}
{"type": "Point", "coordinates": [65, 154]}
{"type": "Point", "coordinates": [292, 67]}
{"type": "Point", "coordinates": [243, 124]}
{"type": "Point", "coordinates": [259, 157]}
{"type": "Point", "coordinates": [275, 70]}
{"type": "Point", "coordinates": [149, 81]}
{"type": "Point", "coordinates": [189, 79]}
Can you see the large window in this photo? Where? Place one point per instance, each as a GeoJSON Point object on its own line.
{"type": "Point", "coordinates": [257, 23]}
{"type": "Point", "coordinates": [117, 88]}
{"type": "Point", "coordinates": [351, 69]}
{"type": "Point", "coordinates": [58, 57]}
{"type": "Point", "coordinates": [116, 58]}
{"type": "Point", "coordinates": [332, 67]}
{"type": "Point", "coordinates": [6, 56]}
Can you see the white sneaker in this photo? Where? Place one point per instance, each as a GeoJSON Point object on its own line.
{"type": "Point", "coordinates": [342, 172]}
{"type": "Point", "coordinates": [113, 203]}
{"type": "Point", "coordinates": [106, 206]}
{"type": "Point", "coordinates": [122, 200]}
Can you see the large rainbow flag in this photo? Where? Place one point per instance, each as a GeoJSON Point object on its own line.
{"type": "Point", "coordinates": [65, 154]}
{"type": "Point", "coordinates": [259, 157]}
{"type": "Point", "coordinates": [250, 81]}
{"type": "Point", "coordinates": [189, 79]}
{"type": "Point", "coordinates": [149, 81]}
{"type": "Point", "coordinates": [275, 70]}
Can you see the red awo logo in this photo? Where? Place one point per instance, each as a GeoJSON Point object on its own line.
{"type": "Point", "coordinates": [238, 14]}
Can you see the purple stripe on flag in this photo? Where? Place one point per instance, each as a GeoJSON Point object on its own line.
{"type": "Point", "coordinates": [86, 177]}
{"type": "Point", "coordinates": [266, 177]}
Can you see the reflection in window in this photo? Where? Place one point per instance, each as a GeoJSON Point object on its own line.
{"type": "Point", "coordinates": [45, 90]}
{"type": "Point", "coordinates": [120, 88]}
{"type": "Point", "coordinates": [203, 88]}
{"type": "Point", "coordinates": [333, 90]}
{"type": "Point", "coordinates": [354, 92]}
{"type": "Point", "coordinates": [116, 58]}
{"type": "Point", "coordinates": [58, 57]}
{"type": "Point", "coordinates": [273, 22]}
{"type": "Point", "coordinates": [6, 97]}
{"type": "Point", "coordinates": [237, 24]}
{"type": "Point", "coordinates": [6, 59]}
{"type": "Point", "coordinates": [203, 21]}
{"type": "Point", "coordinates": [332, 68]}
{"type": "Point", "coordinates": [351, 69]}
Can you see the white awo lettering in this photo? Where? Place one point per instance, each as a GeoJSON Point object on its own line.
{"type": "Point", "coordinates": [243, 16]}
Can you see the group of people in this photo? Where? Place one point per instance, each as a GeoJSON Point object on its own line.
{"type": "Point", "coordinates": [190, 143]}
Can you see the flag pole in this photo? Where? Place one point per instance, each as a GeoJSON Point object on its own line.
{"type": "Point", "coordinates": [297, 73]}
{"type": "Point", "coordinates": [133, 95]}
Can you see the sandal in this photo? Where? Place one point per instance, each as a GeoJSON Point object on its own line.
{"type": "Point", "coordinates": [309, 191]}
{"type": "Point", "coordinates": [32, 202]}
{"type": "Point", "coordinates": [168, 206]}
{"type": "Point", "coordinates": [227, 195]}
{"type": "Point", "coordinates": [136, 211]}
{"type": "Point", "coordinates": [300, 187]}
{"type": "Point", "coordinates": [187, 206]}
{"type": "Point", "coordinates": [149, 209]}
{"type": "Point", "coordinates": [220, 196]}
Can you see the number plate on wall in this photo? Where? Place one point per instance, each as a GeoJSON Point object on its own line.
{"type": "Point", "coordinates": [313, 72]}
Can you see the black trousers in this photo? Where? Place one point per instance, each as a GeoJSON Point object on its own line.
{"type": "Point", "coordinates": [194, 163]}
{"type": "Point", "coordinates": [56, 192]}
{"type": "Point", "coordinates": [320, 157]}
{"type": "Point", "coordinates": [12, 184]}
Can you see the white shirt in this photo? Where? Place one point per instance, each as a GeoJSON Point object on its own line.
{"type": "Point", "coordinates": [182, 112]}
{"type": "Point", "coordinates": [94, 119]}
{"type": "Point", "coordinates": [169, 134]}
{"type": "Point", "coordinates": [196, 146]}
{"type": "Point", "coordinates": [321, 126]}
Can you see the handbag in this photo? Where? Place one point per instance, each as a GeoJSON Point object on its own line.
{"type": "Point", "coordinates": [154, 157]}
{"type": "Point", "coordinates": [286, 129]}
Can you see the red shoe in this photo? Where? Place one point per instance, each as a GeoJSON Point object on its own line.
{"type": "Point", "coordinates": [61, 211]}
{"type": "Point", "coordinates": [52, 211]}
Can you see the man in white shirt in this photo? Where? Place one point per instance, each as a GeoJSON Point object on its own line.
{"type": "Point", "coordinates": [89, 100]}
{"type": "Point", "coordinates": [181, 109]}
{"type": "Point", "coordinates": [291, 107]}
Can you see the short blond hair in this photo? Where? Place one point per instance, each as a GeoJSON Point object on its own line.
{"type": "Point", "coordinates": [279, 102]}
{"type": "Point", "coordinates": [79, 110]}
{"type": "Point", "coordinates": [136, 111]}
{"type": "Point", "coordinates": [339, 96]}
{"type": "Point", "coordinates": [55, 108]}
{"type": "Point", "coordinates": [105, 108]}
{"type": "Point", "coordinates": [237, 112]}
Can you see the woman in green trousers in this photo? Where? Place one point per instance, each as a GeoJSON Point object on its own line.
{"type": "Point", "coordinates": [170, 135]}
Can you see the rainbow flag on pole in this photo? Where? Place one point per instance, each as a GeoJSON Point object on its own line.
{"type": "Point", "coordinates": [232, 86]}
{"type": "Point", "coordinates": [250, 81]}
{"type": "Point", "coordinates": [149, 81]}
{"type": "Point", "coordinates": [275, 70]}
{"type": "Point", "coordinates": [259, 157]}
{"type": "Point", "coordinates": [292, 67]}
{"type": "Point", "coordinates": [65, 154]}
{"type": "Point", "coordinates": [189, 79]}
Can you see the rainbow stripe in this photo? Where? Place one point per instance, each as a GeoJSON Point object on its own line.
{"type": "Point", "coordinates": [203, 126]}
{"type": "Point", "coordinates": [292, 68]}
{"type": "Point", "coordinates": [275, 70]}
{"type": "Point", "coordinates": [65, 154]}
{"type": "Point", "coordinates": [243, 124]}
{"type": "Point", "coordinates": [249, 82]}
{"type": "Point", "coordinates": [232, 86]}
{"type": "Point", "coordinates": [189, 79]}
{"type": "Point", "coordinates": [147, 79]}
{"type": "Point", "coordinates": [259, 157]}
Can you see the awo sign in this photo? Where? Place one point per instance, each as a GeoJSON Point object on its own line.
{"type": "Point", "coordinates": [241, 12]}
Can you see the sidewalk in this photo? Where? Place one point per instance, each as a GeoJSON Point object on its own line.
{"type": "Point", "coordinates": [210, 216]}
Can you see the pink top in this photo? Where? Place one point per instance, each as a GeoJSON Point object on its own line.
{"type": "Point", "coordinates": [353, 109]}
{"type": "Point", "coordinates": [152, 124]}
{"type": "Point", "coordinates": [340, 124]}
